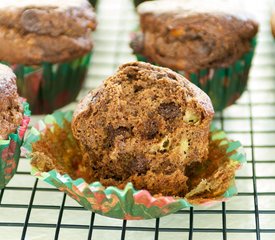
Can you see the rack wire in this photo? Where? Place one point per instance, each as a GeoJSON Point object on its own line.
{"type": "Point", "coordinates": [31, 209]}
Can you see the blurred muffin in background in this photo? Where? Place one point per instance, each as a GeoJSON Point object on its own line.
{"type": "Point", "coordinates": [14, 118]}
{"type": "Point", "coordinates": [48, 44]}
{"type": "Point", "coordinates": [209, 42]}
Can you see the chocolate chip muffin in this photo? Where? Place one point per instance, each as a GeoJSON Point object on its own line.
{"type": "Point", "coordinates": [145, 125]}
{"type": "Point", "coordinates": [11, 110]}
{"type": "Point", "coordinates": [32, 32]}
{"type": "Point", "coordinates": [209, 42]}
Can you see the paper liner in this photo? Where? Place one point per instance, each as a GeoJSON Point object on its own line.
{"type": "Point", "coordinates": [223, 85]}
{"type": "Point", "coordinates": [10, 149]}
{"type": "Point", "coordinates": [48, 86]}
{"type": "Point", "coordinates": [128, 203]}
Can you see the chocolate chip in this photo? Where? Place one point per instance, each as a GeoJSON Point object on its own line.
{"type": "Point", "coordinates": [151, 129]}
{"type": "Point", "coordinates": [132, 163]}
{"type": "Point", "coordinates": [137, 88]}
{"type": "Point", "coordinates": [139, 165]}
{"type": "Point", "coordinates": [113, 133]}
{"type": "Point", "coordinates": [132, 74]}
{"type": "Point", "coordinates": [110, 136]}
{"type": "Point", "coordinates": [161, 75]}
{"type": "Point", "coordinates": [169, 111]}
{"type": "Point", "coordinates": [172, 76]}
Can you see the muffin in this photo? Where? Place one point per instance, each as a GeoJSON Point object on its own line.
{"type": "Point", "coordinates": [210, 43]}
{"type": "Point", "coordinates": [144, 125]}
{"type": "Point", "coordinates": [13, 121]}
{"type": "Point", "coordinates": [48, 45]}
{"type": "Point", "coordinates": [138, 147]}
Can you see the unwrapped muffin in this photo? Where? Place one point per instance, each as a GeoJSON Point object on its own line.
{"type": "Point", "coordinates": [144, 125]}
{"type": "Point", "coordinates": [138, 147]}
{"type": "Point", "coordinates": [14, 118]}
{"type": "Point", "coordinates": [209, 42]}
{"type": "Point", "coordinates": [48, 45]}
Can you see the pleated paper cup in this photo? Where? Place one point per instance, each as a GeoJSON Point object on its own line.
{"type": "Point", "coordinates": [128, 203]}
{"type": "Point", "coordinates": [48, 86]}
{"type": "Point", "coordinates": [10, 149]}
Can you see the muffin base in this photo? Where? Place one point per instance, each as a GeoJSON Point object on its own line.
{"type": "Point", "coordinates": [10, 149]}
{"type": "Point", "coordinates": [127, 202]}
{"type": "Point", "coordinates": [51, 86]}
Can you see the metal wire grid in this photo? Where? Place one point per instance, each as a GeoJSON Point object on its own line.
{"type": "Point", "coordinates": [30, 209]}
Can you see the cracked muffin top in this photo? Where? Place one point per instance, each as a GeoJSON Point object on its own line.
{"type": "Point", "coordinates": [32, 32]}
{"type": "Point", "coordinates": [144, 124]}
{"type": "Point", "coordinates": [11, 110]}
{"type": "Point", "coordinates": [193, 35]}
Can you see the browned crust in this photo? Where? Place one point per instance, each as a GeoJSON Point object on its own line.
{"type": "Point", "coordinates": [123, 126]}
{"type": "Point", "coordinates": [35, 34]}
{"type": "Point", "coordinates": [11, 111]}
{"type": "Point", "coordinates": [190, 41]}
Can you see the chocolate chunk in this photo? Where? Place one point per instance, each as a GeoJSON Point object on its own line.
{"type": "Point", "coordinates": [161, 75]}
{"type": "Point", "coordinates": [169, 111]}
{"type": "Point", "coordinates": [139, 165]}
{"type": "Point", "coordinates": [151, 129]}
{"type": "Point", "coordinates": [137, 88]}
{"type": "Point", "coordinates": [132, 74]}
{"type": "Point", "coordinates": [111, 134]}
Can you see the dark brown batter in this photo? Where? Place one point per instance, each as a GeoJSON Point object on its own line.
{"type": "Point", "coordinates": [186, 37]}
{"type": "Point", "coordinates": [36, 32]}
{"type": "Point", "coordinates": [146, 124]}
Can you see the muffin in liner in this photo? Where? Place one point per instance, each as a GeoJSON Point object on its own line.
{"type": "Point", "coordinates": [51, 86]}
{"type": "Point", "coordinates": [128, 203]}
{"type": "Point", "coordinates": [223, 85]}
{"type": "Point", "coordinates": [10, 149]}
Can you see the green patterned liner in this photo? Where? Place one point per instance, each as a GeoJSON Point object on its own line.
{"type": "Point", "coordinates": [223, 85]}
{"type": "Point", "coordinates": [50, 86]}
{"type": "Point", "coordinates": [128, 203]}
{"type": "Point", "coordinates": [10, 149]}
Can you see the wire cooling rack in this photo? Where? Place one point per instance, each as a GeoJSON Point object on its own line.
{"type": "Point", "coordinates": [31, 209]}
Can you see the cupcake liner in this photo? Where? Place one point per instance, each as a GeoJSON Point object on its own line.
{"type": "Point", "coordinates": [129, 203]}
{"type": "Point", "coordinates": [223, 85]}
{"type": "Point", "coordinates": [48, 86]}
{"type": "Point", "coordinates": [10, 149]}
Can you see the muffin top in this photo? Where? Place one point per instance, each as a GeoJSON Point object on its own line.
{"type": "Point", "coordinates": [8, 86]}
{"type": "Point", "coordinates": [32, 32]}
{"type": "Point", "coordinates": [193, 35]}
{"type": "Point", "coordinates": [11, 111]}
{"type": "Point", "coordinates": [144, 124]}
